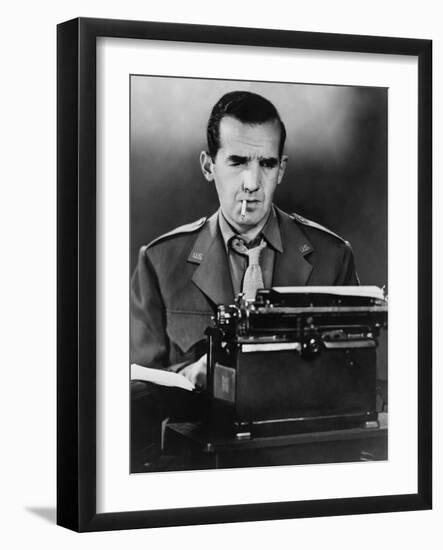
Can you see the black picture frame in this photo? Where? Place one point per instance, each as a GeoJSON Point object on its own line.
{"type": "Point", "coordinates": [76, 280]}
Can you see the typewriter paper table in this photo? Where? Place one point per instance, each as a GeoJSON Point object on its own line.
{"type": "Point", "coordinates": [195, 449]}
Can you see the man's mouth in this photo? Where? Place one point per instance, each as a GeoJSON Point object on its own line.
{"type": "Point", "coordinates": [248, 206]}
{"type": "Point", "coordinates": [250, 201]}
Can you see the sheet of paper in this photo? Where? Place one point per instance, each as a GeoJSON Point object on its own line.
{"type": "Point", "coordinates": [161, 377]}
{"type": "Point", "coordinates": [366, 291]}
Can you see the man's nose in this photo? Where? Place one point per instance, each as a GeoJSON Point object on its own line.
{"type": "Point", "coordinates": [251, 179]}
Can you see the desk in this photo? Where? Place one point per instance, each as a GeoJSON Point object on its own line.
{"type": "Point", "coordinates": [188, 446]}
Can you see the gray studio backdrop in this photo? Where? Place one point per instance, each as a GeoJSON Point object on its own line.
{"type": "Point", "coordinates": [336, 173]}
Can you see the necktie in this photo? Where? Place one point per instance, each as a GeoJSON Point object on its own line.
{"type": "Point", "coordinates": [253, 279]}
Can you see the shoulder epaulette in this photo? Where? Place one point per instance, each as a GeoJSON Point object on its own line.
{"type": "Point", "coordinates": [187, 228]}
{"type": "Point", "coordinates": [316, 225]}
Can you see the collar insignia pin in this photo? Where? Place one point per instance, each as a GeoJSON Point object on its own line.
{"type": "Point", "coordinates": [197, 256]}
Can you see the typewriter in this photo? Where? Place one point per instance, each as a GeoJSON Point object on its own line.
{"type": "Point", "coordinates": [295, 360]}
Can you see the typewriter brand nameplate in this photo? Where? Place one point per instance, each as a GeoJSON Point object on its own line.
{"type": "Point", "coordinates": [224, 383]}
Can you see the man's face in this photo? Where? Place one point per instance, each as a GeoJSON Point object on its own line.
{"type": "Point", "coordinates": [247, 167]}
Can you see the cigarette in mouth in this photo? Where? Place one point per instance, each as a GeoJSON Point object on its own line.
{"type": "Point", "coordinates": [243, 209]}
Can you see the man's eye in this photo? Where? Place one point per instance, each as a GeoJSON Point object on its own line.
{"type": "Point", "coordinates": [268, 163]}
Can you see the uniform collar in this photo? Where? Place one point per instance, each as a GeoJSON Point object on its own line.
{"type": "Point", "coordinates": [293, 267]}
{"type": "Point", "coordinates": [212, 274]}
{"type": "Point", "coordinates": [270, 231]}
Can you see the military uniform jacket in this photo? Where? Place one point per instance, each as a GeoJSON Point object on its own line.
{"type": "Point", "coordinates": [184, 275]}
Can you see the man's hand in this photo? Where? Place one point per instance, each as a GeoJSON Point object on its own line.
{"type": "Point", "coordinates": [196, 372]}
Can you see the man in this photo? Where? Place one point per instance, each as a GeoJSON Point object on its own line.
{"type": "Point", "coordinates": [184, 275]}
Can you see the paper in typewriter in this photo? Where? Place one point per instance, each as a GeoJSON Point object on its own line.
{"type": "Point", "coordinates": [362, 291]}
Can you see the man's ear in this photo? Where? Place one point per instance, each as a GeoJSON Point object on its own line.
{"type": "Point", "coordinates": [207, 165]}
{"type": "Point", "coordinates": [282, 168]}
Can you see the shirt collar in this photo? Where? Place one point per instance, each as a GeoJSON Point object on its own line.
{"type": "Point", "coordinates": [270, 231]}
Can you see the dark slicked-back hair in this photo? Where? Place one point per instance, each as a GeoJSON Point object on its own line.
{"type": "Point", "coordinates": [246, 107]}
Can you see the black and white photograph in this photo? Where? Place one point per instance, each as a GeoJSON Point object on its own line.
{"type": "Point", "coordinates": [244, 268]}
{"type": "Point", "coordinates": [258, 273]}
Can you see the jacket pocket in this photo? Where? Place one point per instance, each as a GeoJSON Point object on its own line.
{"type": "Point", "coordinates": [187, 328]}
